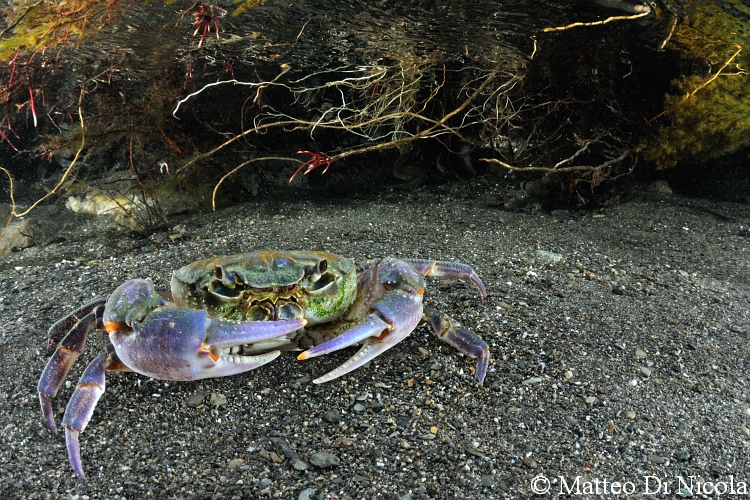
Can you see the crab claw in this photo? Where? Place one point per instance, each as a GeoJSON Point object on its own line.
{"type": "Point", "coordinates": [186, 344]}
{"type": "Point", "coordinates": [394, 317]}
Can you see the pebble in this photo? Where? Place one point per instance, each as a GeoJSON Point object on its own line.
{"type": "Point", "coordinates": [234, 463]}
{"type": "Point", "coordinates": [403, 422]}
{"type": "Point", "coordinates": [590, 399]}
{"type": "Point", "coordinates": [196, 399]}
{"type": "Point", "coordinates": [640, 354]}
{"type": "Point", "coordinates": [630, 414]}
{"type": "Point", "coordinates": [532, 380]}
{"type": "Point", "coordinates": [745, 431]}
{"type": "Point", "coordinates": [530, 463]}
{"type": "Point", "coordinates": [217, 399]}
{"type": "Point", "coordinates": [332, 416]}
{"type": "Point", "coordinates": [549, 257]}
{"type": "Point", "coordinates": [359, 407]}
{"type": "Point", "coordinates": [487, 481]}
{"type": "Point", "coordinates": [307, 494]}
{"type": "Point", "coordinates": [646, 372]}
{"type": "Point", "coordinates": [656, 459]}
{"type": "Point", "coordinates": [324, 459]}
{"type": "Point", "coordinates": [300, 465]}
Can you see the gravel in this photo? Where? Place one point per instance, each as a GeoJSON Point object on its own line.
{"type": "Point", "coordinates": [619, 342]}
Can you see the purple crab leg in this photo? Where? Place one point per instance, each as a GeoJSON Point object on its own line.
{"type": "Point", "coordinates": [61, 327]}
{"type": "Point", "coordinates": [449, 270]}
{"type": "Point", "coordinates": [81, 406]}
{"type": "Point", "coordinates": [59, 365]}
{"type": "Point", "coordinates": [462, 339]}
{"type": "Point", "coordinates": [394, 317]}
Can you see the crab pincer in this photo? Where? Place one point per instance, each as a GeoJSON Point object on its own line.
{"type": "Point", "coordinates": [392, 319]}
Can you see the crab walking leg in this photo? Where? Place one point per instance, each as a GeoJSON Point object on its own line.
{"type": "Point", "coordinates": [81, 406]}
{"type": "Point", "coordinates": [395, 315]}
{"type": "Point", "coordinates": [60, 363]}
{"type": "Point", "coordinates": [462, 339]}
{"type": "Point", "coordinates": [60, 328]}
{"type": "Point", "coordinates": [448, 270]}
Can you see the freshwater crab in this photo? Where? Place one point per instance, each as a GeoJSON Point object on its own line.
{"type": "Point", "coordinates": [228, 315]}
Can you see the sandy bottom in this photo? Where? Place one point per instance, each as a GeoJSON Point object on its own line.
{"type": "Point", "coordinates": [619, 344]}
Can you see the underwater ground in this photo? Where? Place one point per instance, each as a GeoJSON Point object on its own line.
{"type": "Point", "coordinates": [619, 343]}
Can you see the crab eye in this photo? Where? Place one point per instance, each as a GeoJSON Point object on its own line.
{"type": "Point", "coordinates": [314, 271]}
{"type": "Point", "coordinates": [324, 281]}
{"type": "Point", "coordinates": [227, 279]}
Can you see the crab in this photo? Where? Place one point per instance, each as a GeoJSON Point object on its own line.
{"type": "Point", "coordinates": [227, 315]}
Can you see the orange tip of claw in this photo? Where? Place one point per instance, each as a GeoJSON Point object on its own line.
{"type": "Point", "coordinates": [207, 350]}
{"type": "Point", "coordinates": [303, 356]}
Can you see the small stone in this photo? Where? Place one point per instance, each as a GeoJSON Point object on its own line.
{"type": "Point", "coordinates": [359, 407]}
{"type": "Point", "coordinates": [656, 459]}
{"type": "Point", "coordinates": [568, 375]}
{"type": "Point", "coordinates": [646, 372]}
{"type": "Point", "coordinates": [427, 437]}
{"type": "Point", "coordinates": [217, 399]}
{"type": "Point", "coordinates": [487, 481]}
{"type": "Point", "coordinates": [530, 463]}
{"type": "Point", "coordinates": [684, 493]}
{"type": "Point", "coordinates": [265, 482]}
{"type": "Point", "coordinates": [640, 354]}
{"type": "Point", "coordinates": [661, 186]}
{"type": "Point", "coordinates": [234, 463]}
{"type": "Point", "coordinates": [332, 416]}
{"type": "Point", "coordinates": [630, 414]}
{"type": "Point", "coordinates": [590, 399]}
{"type": "Point", "coordinates": [745, 431]}
{"type": "Point", "coordinates": [300, 465]}
{"type": "Point", "coordinates": [403, 422]}
{"type": "Point", "coordinates": [433, 430]}
{"type": "Point", "coordinates": [196, 399]}
{"type": "Point", "coordinates": [531, 381]}
{"type": "Point", "coordinates": [683, 456]}
{"type": "Point", "coordinates": [307, 494]}
{"type": "Point", "coordinates": [324, 459]}
{"type": "Point", "coordinates": [548, 257]}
